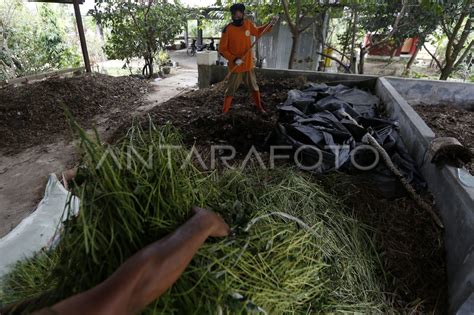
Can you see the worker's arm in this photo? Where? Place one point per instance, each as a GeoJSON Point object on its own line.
{"type": "Point", "coordinates": [224, 47]}
{"type": "Point", "coordinates": [259, 30]}
{"type": "Point", "coordinates": [149, 273]}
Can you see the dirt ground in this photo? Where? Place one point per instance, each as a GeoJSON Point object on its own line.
{"type": "Point", "coordinates": [450, 121]}
{"type": "Point", "coordinates": [37, 139]}
{"type": "Point", "coordinates": [33, 114]}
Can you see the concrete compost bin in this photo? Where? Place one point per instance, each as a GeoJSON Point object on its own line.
{"type": "Point", "coordinates": [431, 92]}
{"type": "Point", "coordinates": [454, 200]}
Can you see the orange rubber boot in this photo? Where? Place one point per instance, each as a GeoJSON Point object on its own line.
{"type": "Point", "coordinates": [258, 101]}
{"type": "Point", "coordinates": [227, 103]}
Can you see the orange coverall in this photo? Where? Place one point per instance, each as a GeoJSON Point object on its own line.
{"type": "Point", "coordinates": [235, 41]}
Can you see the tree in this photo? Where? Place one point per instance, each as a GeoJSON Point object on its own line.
{"type": "Point", "coordinates": [388, 23]}
{"type": "Point", "coordinates": [138, 29]}
{"type": "Point", "coordinates": [419, 23]}
{"type": "Point", "coordinates": [420, 18]}
{"type": "Point", "coordinates": [300, 15]}
{"type": "Point", "coordinates": [344, 43]}
{"type": "Point", "coordinates": [456, 19]}
{"type": "Point", "coordinates": [32, 43]}
{"type": "Point", "coordinates": [58, 52]}
{"type": "Point", "coordinates": [382, 21]}
{"type": "Point", "coordinates": [8, 62]}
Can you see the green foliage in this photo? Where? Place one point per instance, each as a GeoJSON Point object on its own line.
{"type": "Point", "coordinates": [58, 53]}
{"type": "Point", "coordinates": [418, 75]}
{"type": "Point", "coordinates": [417, 20]}
{"type": "Point", "coordinates": [210, 28]}
{"type": "Point", "coordinates": [456, 20]}
{"type": "Point", "coordinates": [312, 259]}
{"type": "Point", "coordinates": [138, 30]}
{"type": "Point", "coordinates": [34, 43]}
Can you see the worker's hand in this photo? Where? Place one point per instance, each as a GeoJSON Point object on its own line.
{"type": "Point", "coordinates": [238, 61]}
{"type": "Point", "coordinates": [219, 228]}
{"type": "Point", "coordinates": [274, 20]}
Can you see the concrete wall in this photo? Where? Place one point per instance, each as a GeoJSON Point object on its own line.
{"type": "Point", "coordinates": [454, 200]}
{"type": "Point", "coordinates": [431, 92]}
{"type": "Point", "coordinates": [208, 75]}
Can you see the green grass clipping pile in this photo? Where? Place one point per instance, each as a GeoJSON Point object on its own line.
{"type": "Point", "coordinates": [293, 249]}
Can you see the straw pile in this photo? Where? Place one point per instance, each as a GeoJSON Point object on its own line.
{"type": "Point", "coordinates": [293, 251]}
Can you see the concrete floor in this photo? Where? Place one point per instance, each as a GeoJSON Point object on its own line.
{"type": "Point", "coordinates": [23, 176]}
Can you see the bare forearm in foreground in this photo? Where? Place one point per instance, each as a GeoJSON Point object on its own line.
{"type": "Point", "coordinates": [149, 273]}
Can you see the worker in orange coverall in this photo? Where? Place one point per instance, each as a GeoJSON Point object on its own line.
{"type": "Point", "coordinates": [234, 46]}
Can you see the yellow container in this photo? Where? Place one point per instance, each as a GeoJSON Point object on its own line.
{"type": "Point", "coordinates": [327, 61]}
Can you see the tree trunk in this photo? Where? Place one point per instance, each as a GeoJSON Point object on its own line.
{"type": "Point", "coordinates": [412, 59]}
{"type": "Point", "coordinates": [323, 29]}
{"type": "Point", "coordinates": [354, 32]}
{"type": "Point", "coordinates": [150, 67]}
{"type": "Point", "coordinates": [346, 41]}
{"type": "Point", "coordinates": [455, 44]}
{"type": "Point", "coordinates": [432, 62]}
{"type": "Point", "coordinates": [362, 53]}
{"type": "Point", "coordinates": [294, 46]}
{"type": "Point", "coordinates": [447, 70]}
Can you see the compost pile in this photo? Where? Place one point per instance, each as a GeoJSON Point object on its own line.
{"type": "Point", "coordinates": [198, 114]}
{"type": "Point", "coordinates": [318, 121]}
{"type": "Point", "coordinates": [33, 114]}
{"type": "Point", "coordinates": [450, 121]}
{"type": "Point", "coordinates": [411, 246]}
{"type": "Point", "coordinates": [314, 258]}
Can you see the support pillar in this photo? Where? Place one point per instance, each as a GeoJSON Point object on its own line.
{"type": "Point", "coordinates": [82, 37]}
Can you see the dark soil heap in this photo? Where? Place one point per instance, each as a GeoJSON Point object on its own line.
{"type": "Point", "coordinates": [198, 114]}
{"type": "Point", "coordinates": [33, 114]}
{"type": "Point", "coordinates": [450, 121]}
{"type": "Point", "coordinates": [411, 246]}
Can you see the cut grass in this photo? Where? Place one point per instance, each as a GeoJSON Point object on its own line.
{"type": "Point", "coordinates": [294, 250]}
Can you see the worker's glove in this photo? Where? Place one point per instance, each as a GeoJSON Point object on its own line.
{"type": "Point", "coordinates": [274, 20]}
{"type": "Point", "coordinates": [238, 61]}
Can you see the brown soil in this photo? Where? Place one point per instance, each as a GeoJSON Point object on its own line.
{"type": "Point", "coordinates": [450, 121]}
{"type": "Point", "coordinates": [410, 245]}
{"type": "Point", "coordinates": [33, 114]}
{"type": "Point", "coordinates": [198, 115]}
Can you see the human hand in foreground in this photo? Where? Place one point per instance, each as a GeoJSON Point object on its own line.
{"type": "Point", "coordinates": [219, 227]}
{"type": "Point", "coordinates": [146, 275]}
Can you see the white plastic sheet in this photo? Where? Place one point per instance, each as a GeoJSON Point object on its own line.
{"type": "Point", "coordinates": [39, 229]}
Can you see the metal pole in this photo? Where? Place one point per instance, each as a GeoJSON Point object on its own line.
{"type": "Point", "coordinates": [82, 37]}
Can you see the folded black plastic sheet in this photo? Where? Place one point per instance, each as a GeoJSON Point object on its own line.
{"type": "Point", "coordinates": [313, 122]}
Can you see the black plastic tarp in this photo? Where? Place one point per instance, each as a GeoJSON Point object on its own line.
{"type": "Point", "coordinates": [314, 123]}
